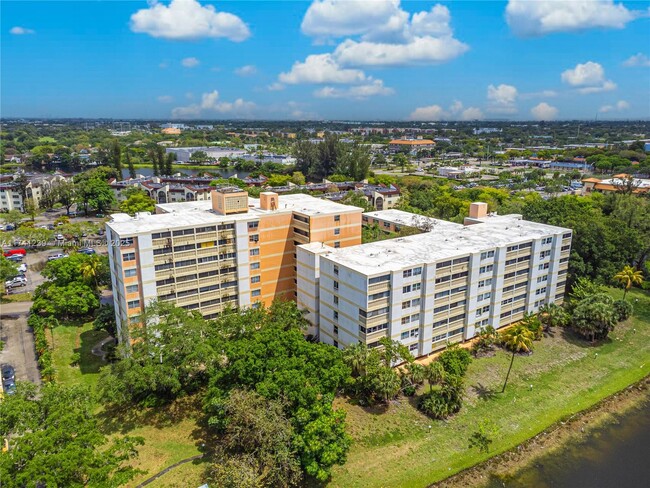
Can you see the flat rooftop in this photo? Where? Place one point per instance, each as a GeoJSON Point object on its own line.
{"type": "Point", "coordinates": [441, 243]}
{"type": "Point", "coordinates": [181, 215]}
{"type": "Point", "coordinates": [408, 219]}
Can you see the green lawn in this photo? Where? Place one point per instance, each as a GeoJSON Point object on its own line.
{"type": "Point", "coordinates": [69, 339]}
{"type": "Point", "coordinates": [16, 297]}
{"type": "Point", "coordinates": [394, 447]}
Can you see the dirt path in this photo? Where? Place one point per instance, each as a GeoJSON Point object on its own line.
{"type": "Point", "coordinates": [168, 469]}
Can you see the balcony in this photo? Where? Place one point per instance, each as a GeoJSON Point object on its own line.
{"type": "Point", "coordinates": [383, 286]}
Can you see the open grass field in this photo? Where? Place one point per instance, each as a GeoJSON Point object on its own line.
{"type": "Point", "coordinates": [70, 339]}
{"type": "Point", "coordinates": [394, 446]}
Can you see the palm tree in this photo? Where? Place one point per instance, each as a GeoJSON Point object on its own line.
{"type": "Point", "coordinates": [552, 315]}
{"type": "Point", "coordinates": [517, 338]}
{"type": "Point", "coordinates": [387, 383]}
{"type": "Point", "coordinates": [533, 324]}
{"type": "Point", "coordinates": [91, 268]}
{"type": "Point", "coordinates": [434, 373]}
{"type": "Point", "coordinates": [355, 356]}
{"type": "Point", "coordinates": [628, 277]}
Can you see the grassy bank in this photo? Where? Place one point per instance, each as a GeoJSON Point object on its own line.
{"type": "Point", "coordinates": [395, 447]}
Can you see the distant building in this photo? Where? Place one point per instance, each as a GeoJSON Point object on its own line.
{"type": "Point", "coordinates": [184, 154]}
{"type": "Point", "coordinates": [486, 130]}
{"type": "Point", "coordinates": [165, 189]}
{"type": "Point", "coordinates": [618, 183]}
{"type": "Point", "coordinates": [171, 131]}
{"type": "Point", "coordinates": [457, 173]}
{"type": "Point", "coordinates": [410, 144]}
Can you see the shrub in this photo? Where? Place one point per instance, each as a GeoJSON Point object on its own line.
{"type": "Point", "coordinates": [445, 401]}
{"type": "Point", "coordinates": [455, 360]}
{"type": "Point", "coordinates": [485, 340]}
{"type": "Point", "coordinates": [623, 309]}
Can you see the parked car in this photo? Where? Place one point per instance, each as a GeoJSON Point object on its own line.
{"type": "Point", "coordinates": [50, 226]}
{"type": "Point", "coordinates": [9, 387]}
{"type": "Point", "coordinates": [10, 227]}
{"type": "Point", "coordinates": [54, 257]}
{"type": "Point", "coordinates": [16, 282]}
{"type": "Point", "coordinates": [13, 252]}
{"type": "Point", "coordinates": [8, 372]}
{"type": "Point", "coordinates": [87, 250]}
{"type": "Point", "coordinates": [16, 258]}
{"type": "Point", "coordinates": [59, 237]}
{"type": "Point", "coordinates": [99, 215]}
{"type": "Point", "coordinates": [22, 268]}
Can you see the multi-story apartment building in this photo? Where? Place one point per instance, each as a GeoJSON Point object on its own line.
{"type": "Point", "coordinates": [231, 250]}
{"type": "Point", "coordinates": [439, 286]}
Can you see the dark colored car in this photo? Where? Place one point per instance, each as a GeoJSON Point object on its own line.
{"type": "Point", "coordinates": [87, 250]}
{"type": "Point", "coordinates": [9, 387]}
{"type": "Point", "coordinates": [8, 372]}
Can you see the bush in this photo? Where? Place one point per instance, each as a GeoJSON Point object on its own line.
{"type": "Point", "coordinates": [444, 402]}
{"type": "Point", "coordinates": [75, 359]}
{"type": "Point", "coordinates": [455, 360]}
{"type": "Point", "coordinates": [485, 340]}
{"type": "Point", "coordinates": [623, 309]}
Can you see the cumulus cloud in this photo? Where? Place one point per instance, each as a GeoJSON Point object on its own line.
{"type": "Point", "coordinates": [248, 70]}
{"type": "Point", "coordinates": [184, 20]}
{"type": "Point", "coordinates": [387, 34]}
{"type": "Point", "coordinates": [359, 92]}
{"type": "Point", "coordinates": [276, 86]}
{"type": "Point", "coordinates": [21, 31]}
{"type": "Point", "coordinates": [544, 111]}
{"type": "Point", "coordinates": [211, 104]}
{"type": "Point", "coordinates": [502, 99]}
{"type": "Point", "coordinates": [165, 99]}
{"type": "Point", "coordinates": [539, 94]}
{"type": "Point", "coordinates": [536, 18]}
{"type": "Point", "coordinates": [190, 62]}
{"type": "Point", "coordinates": [588, 78]}
{"type": "Point", "coordinates": [456, 111]}
{"type": "Point", "coordinates": [319, 69]}
{"type": "Point", "coordinates": [620, 106]}
{"type": "Point", "coordinates": [431, 112]}
{"type": "Point", "coordinates": [639, 59]}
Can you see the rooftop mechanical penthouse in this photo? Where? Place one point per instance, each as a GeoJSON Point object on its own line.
{"type": "Point", "coordinates": [231, 251]}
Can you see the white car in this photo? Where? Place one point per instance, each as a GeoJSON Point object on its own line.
{"type": "Point", "coordinates": [22, 268]}
{"type": "Point", "coordinates": [60, 237]}
{"type": "Point", "coordinates": [15, 282]}
{"type": "Point", "coordinates": [54, 257]}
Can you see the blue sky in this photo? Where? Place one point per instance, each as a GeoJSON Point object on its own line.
{"type": "Point", "coordinates": [326, 59]}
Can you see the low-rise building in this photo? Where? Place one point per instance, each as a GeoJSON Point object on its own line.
{"type": "Point", "coordinates": [410, 145]}
{"type": "Point", "coordinates": [618, 183]}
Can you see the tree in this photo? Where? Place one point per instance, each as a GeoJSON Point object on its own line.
{"type": "Point", "coordinates": [400, 160]}
{"type": "Point", "coordinates": [307, 157]}
{"type": "Point", "coordinates": [8, 268]}
{"type": "Point", "coordinates": [297, 178]}
{"type": "Point", "coordinates": [517, 338]}
{"type": "Point", "coordinates": [66, 195]}
{"type": "Point", "coordinates": [31, 208]}
{"type": "Point", "coordinates": [153, 155]}
{"type": "Point", "coordinates": [169, 163]}
{"type": "Point", "coordinates": [105, 319]}
{"type": "Point", "coordinates": [91, 270]}
{"type": "Point", "coordinates": [627, 277]}
{"type": "Point", "coordinates": [95, 193]}
{"type": "Point", "coordinates": [455, 360]}
{"type": "Point", "coordinates": [74, 300]}
{"type": "Point", "coordinates": [116, 156]}
{"type": "Point", "coordinates": [138, 201]}
{"type": "Point", "coordinates": [199, 157]}
{"type": "Point", "coordinates": [55, 440]}
{"type": "Point", "coordinates": [552, 315]}
{"type": "Point", "coordinates": [258, 434]}
{"type": "Point", "coordinates": [594, 317]}
{"type": "Point", "coordinates": [435, 374]}
{"type": "Point", "coordinates": [13, 217]}
{"type": "Point", "coordinates": [68, 270]}
{"type": "Point", "coordinates": [129, 163]}
{"type": "Point", "coordinates": [533, 324]}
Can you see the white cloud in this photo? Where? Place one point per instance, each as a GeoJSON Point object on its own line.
{"type": "Point", "coordinates": [419, 50]}
{"type": "Point", "coordinates": [190, 62]}
{"type": "Point", "coordinates": [210, 103]}
{"type": "Point", "coordinates": [639, 59]}
{"type": "Point", "coordinates": [165, 99]}
{"type": "Point", "coordinates": [588, 78]}
{"type": "Point", "coordinates": [248, 70]}
{"type": "Point", "coordinates": [276, 87]}
{"type": "Point", "coordinates": [321, 68]}
{"type": "Point", "coordinates": [163, 65]}
{"type": "Point", "coordinates": [536, 18]}
{"type": "Point", "coordinates": [387, 34]}
{"type": "Point", "coordinates": [186, 20]}
{"type": "Point", "coordinates": [359, 92]}
{"type": "Point", "coordinates": [21, 31]}
{"type": "Point", "coordinates": [432, 112]}
{"type": "Point", "coordinates": [502, 99]}
{"type": "Point", "coordinates": [539, 94]}
{"type": "Point", "coordinates": [620, 106]}
{"type": "Point", "coordinates": [472, 113]}
{"type": "Point", "coordinates": [544, 111]}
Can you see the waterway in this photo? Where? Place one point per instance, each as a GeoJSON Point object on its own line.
{"type": "Point", "coordinates": [615, 455]}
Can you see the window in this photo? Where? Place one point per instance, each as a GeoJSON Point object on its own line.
{"type": "Point", "coordinates": [255, 279]}
{"type": "Point", "coordinates": [541, 279]}
{"type": "Point", "coordinates": [406, 304]}
{"type": "Point", "coordinates": [337, 231]}
{"type": "Point", "coordinates": [336, 270]}
{"type": "Point", "coordinates": [255, 265]}
{"type": "Point", "coordinates": [336, 285]}
{"type": "Point", "coordinates": [406, 289]}
{"type": "Point", "coordinates": [566, 236]}
{"type": "Point", "coordinates": [128, 256]}
{"type": "Point", "coordinates": [415, 302]}
{"type": "Point", "coordinates": [202, 230]}
{"type": "Point", "coordinates": [444, 264]}
{"type": "Point", "coordinates": [300, 232]}
{"type": "Point", "coordinates": [336, 329]}
{"type": "Point", "coordinates": [417, 271]}
{"type": "Point", "coordinates": [486, 269]}
{"type": "Point", "coordinates": [387, 225]}
{"type": "Point", "coordinates": [183, 232]}
{"type": "Point", "coordinates": [337, 244]}
{"type": "Point", "coordinates": [336, 300]}
{"type": "Point", "coordinates": [407, 273]}
{"type": "Point", "coordinates": [134, 304]}
{"type": "Point", "coordinates": [337, 218]}
{"type": "Point", "coordinates": [160, 235]}
{"type": "Point", "coordinates": [441, 294]}
{"type": "Point", "coordinates": [547, 240]}
{"type": "Point", "coordinates": [253, 225]}
{"type": "Point", "coordinates": [186, 247]}
{"type": "Point", "coordinates": [253, 238]}
{"type": "Point", "coordinates": [484, 296]}
{"type": "Point", "coordinates": [255, 252]}
{"type": "Point", "coordinates": [540, 291]}
{"type": "Point", "coordinates": [132, 288]}
{"type": "Point", "coordinates": [565, 248]}
{"type": "Point", "coordinates": [256, 293]}
{"type": "Point", "coordinates": [128, 273]}
{"type": "Point", "coordinates": [300, 218]}
{"type": "Point", "coordinates": [542, 267]}
{"type": "Point", "coordinates": [379, 279]}
{"type": "Point", "coordinates": [375, 328]}
{"type": "Point", "coordinates": [544, 254]}
{"type": "Point", "coordinates": [406, 320]}
{"type": "Point", "coordinates": [487, 254]}
{"type": "Point", "coordinates": [416, 286]}
{"type": "Point", "coordinates": [335, 315]}
{"type": "Point", "coordinates": [458, 289]}
{"type": "Point", "coordinates": [377, 296]}
{"type": "Point", "coordinates": [404, 335]}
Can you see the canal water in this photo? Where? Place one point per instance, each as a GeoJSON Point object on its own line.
{"type": "Point", "coordinates": [616, 455]}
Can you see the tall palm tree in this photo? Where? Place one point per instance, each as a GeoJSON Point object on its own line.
{"type": "Point", "coordinates": [434, 373]}
{"type": "Point", "coordinates": [90, 270]}
{"type": "Point", "coordinates": [355, 356]}
{"type": "Point", "coordinates": [517, 338]}
{"type": "Point", "coordinates": [552, 315]}
{"type": "Point", "coordinates": [628, 277]}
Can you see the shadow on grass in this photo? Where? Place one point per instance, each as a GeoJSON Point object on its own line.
{"type": "Point", "coordinates": [575, 339]}
{"type": "Point", "coordinates": [484, 392]}
{"type": "Point", "coordinates": [90, 364]}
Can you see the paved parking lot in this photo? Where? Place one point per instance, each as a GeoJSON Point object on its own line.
{"type": "Point", "coordinates": [19, 346]}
